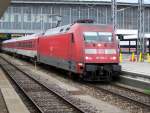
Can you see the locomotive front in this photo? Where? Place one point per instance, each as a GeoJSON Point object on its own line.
{"type": "Point", "coordinates": [101, 55]}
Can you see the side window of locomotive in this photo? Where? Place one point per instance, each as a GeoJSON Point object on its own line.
{"type": "Point", "coordinates": [61, 30]}
{"type": "Point", "coordinates": [67, 28]}
{"type": "Point", "coordinates": [90, 37]}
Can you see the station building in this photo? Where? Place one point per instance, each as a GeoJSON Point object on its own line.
{"type": "Point", "coordinates": [32, 16]}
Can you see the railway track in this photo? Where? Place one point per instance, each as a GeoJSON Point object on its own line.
{"type": "Point", "coordinates": [124, 93]}
{"type": "Point", "coordinates": [45, 99]}
{"type": "Point", "coordinates": [128, 94]}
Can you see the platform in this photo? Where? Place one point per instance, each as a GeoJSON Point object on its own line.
{"type": "Point", "coordinates": [12, 101]}
{"type": "Point", "coordinates": [140, 68]}
{"type": "Point", "coordinates": [136, 74]}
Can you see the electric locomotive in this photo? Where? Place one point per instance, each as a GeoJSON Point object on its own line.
{"type": "Point", "coordinates": [90, 51]}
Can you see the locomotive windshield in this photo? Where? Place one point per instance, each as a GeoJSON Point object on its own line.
{"type": "Point", "coordinates": [97, 36]}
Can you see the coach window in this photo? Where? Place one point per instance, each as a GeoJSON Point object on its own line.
{"type": "Point", "coordinates": [33, 44]}
{"type": "Point", "coordinates": [24, 44]}
{"type": "Point", "coordinates": [27, 44]}
{"type": "Point", "coordinates": [30, 44]}
{"type": "Point", "coordinates": [18, 44]}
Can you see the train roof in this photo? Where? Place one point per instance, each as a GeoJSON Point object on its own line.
{"type": "Point", "coordinates": [61, 29]}
{"type": "Point", "coordinates": [65, 28]}
{"type": "Point", "coordinates": [56, 30]}
{"type": "Point", "coordinates": [28, 37]}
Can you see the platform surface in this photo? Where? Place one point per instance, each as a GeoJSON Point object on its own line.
{"type": "Point", "coordinates": [12, 100]}
{"type": "Point", "coordinates": [142, 68]}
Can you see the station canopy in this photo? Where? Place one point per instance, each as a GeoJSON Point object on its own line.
{"type": "Point", "coordinates": [89, 1]}
{"type": "Point", "coordinates": [124, 1]}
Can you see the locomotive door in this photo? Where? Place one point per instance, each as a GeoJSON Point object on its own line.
{"type": "Point", "coordinates": [38, 50]}
{"type": "Point", "coordinates": [71, 50]}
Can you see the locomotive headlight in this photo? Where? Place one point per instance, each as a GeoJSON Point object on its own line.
{"type": "Point", "coordinates": [114, 58]}
{"type": "Point", "coordinates": [80, 64]}
{"type": "Point", "coordinates": [99, 45]}
{"type": "Point", "coordinates": [88, 58]}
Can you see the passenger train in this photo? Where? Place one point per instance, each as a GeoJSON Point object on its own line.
{"type": "Point", "coordinates": [88, 50]}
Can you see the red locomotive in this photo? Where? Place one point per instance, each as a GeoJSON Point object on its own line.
{"type": "Point", "coordinates": [90, 51]}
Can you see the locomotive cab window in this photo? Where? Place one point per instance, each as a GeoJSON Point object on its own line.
{"type": "Point", "coordinates": [98, 37]}
{"type": "Point", "coordinates": [105, 36]}
{"type": "Point", "coordinates": [90, 36]}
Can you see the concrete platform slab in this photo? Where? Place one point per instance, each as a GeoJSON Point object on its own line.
{"type": "Point", "coordinates": [136, 74]}
{"type": "Point", "coordinates": [12, 100]}
{"type": "Point", "coordinates": [3, 108]}
{"type": "Point", "coordinates": [4, 83]}
{"type": "Point", "coordinates": [141, 68]}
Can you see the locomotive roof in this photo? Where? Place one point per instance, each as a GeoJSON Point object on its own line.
{"type": "Point", "coordinates": [58, 30]}
{"type": "Point", "coordinates": [66, 28]}
{"type": "Point", "coordinates": [28, 37]}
